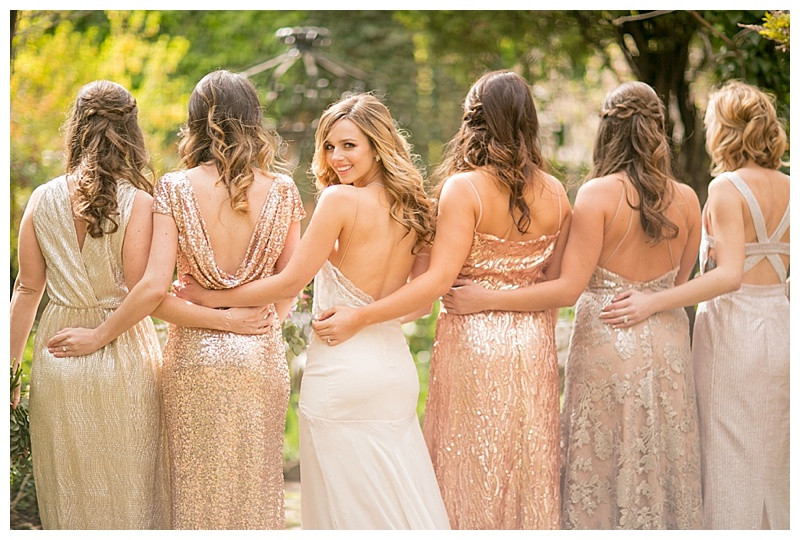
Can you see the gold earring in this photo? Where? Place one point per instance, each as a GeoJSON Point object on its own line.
{"type": "Point", "coordinates": [377, 157]}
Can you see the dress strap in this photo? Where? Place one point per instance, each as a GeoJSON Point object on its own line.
{"type": "Point", "coordinates": [755, 210]}
{"type": "Point", "coordinates": [352, 229]}
{"type": "Point", "coordinates": [480, 204]}
{"type": "Point", "coordinates": [630, 222]}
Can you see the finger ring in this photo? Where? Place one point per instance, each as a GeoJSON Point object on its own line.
{"type": "Point", "coordinates": [64, 348]}
{"type": "Point", "coordinates": [329, 341]}
{"type": "Point", "coordinates": [625, 319]}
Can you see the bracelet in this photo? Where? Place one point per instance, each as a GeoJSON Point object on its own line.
{"type": "Point", "coordinates": [227, 319]}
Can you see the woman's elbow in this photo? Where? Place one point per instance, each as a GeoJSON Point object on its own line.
{"type": "Point", "coordinates": [152, 291]}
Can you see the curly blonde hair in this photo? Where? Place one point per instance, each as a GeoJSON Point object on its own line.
{"type": "Point", "coordinates": [741, 126]}
{"type": "Point", "coordinates": [632, 139]}
{"type": "Point", "coordinates": [500, 132]}
{"type": "Point", "coordinates": [104, 144]}
{"type": "Point", "coordinates": [225, 127]}
{"type": "Point", "coordinates": [409, 205]}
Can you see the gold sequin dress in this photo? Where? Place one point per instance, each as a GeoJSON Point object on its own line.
{"type": "Point", "coordinates": [630, 439]}
{"type": "Point", "coordinates": [363, 461]}
{"type": "Point", "coordinates": [741, 357]}
{"type": "Point", "coordinates": [99, 452]}
{"type": "Point", "coordinates": [492, 415]}
{"type": "Point", "coordinates": [225, 394]}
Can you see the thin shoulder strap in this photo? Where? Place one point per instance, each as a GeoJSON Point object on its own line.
{"type": "Point", "coordinates": [560, 217]}
{"type": "Point", "coordinates": [352, 229]}
{"type": "Point", "coordinates": [630, 222]}
{"type": "Point", "coordinates": [480, 204]}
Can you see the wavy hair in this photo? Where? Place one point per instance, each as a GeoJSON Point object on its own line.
{"type": "Point", "coordinates": [225, 127]}
{"type": "Point", "coordinates": [409, 205]}
{"type": "Point", "coordinates": [632, 139]}
{"type": "Point", "coordinates": [742, 126]}
{"type": "Point", "coordinates": [104, 144]}
{"type": "Point", "coordinates": [500, 132]}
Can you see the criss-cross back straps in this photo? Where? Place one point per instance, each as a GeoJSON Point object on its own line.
{"type": "Point", "coordinates": [630, 222]}
{"type": "Point", "coordinates": [767, 246]}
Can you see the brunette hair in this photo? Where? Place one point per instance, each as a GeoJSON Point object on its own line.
{"type": "Point", "coordinates": [742, 125]}
{"type": "Point", "coordinates": [500, 132]}
{"type": "Point", "coordinates": [104, 144]}
{"type": "Point", "coordinates": [409, 205]}
{"type": "Point", "coordinates": [225, 127]}
{"type": "Point", "coordinates": [632, 139]}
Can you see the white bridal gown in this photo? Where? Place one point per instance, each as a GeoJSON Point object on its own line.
{"type": "Point", "coordinates": [363, 461]}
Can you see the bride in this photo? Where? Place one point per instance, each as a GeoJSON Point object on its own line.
{"type": "Point", "coordinates": [363, 461]}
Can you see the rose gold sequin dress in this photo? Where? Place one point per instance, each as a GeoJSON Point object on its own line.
{"type": "Point", "coordinates": [741, 357]}
{"type": "Point", "coordinates": [630, 432]}
{"type": "Point", "coordinates": [97, 431]}
{"type": "Point", "coordinates": [225, 394]}
{"type": "Point", "coordinates": [492, 415]}
{"type": "Point", "coordinates": [363, 461]}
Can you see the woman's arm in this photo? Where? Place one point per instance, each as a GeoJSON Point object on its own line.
{"type": "Point", "coordinates": [317, 243]}
{"type": "Point", "coordinates": [454, 232]}
{"type": "Point", "coordinates": [421, 263]}
{"type": "Point", "coordinates": [28, 287]}
{"type": "Point", "coordinates": [283, 307]}
{"type": "Point", "coordinates": [583, 234]}
{"type": "Point", "coordinates": [725, 213]}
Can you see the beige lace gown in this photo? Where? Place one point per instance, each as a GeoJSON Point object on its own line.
{"type": "Point", "coordinates": [97, 439]}
{"type": "Point", "coordinates": [630, 439]}
{"type": "Point", "coordinates": [492, 414]}
{"type": "Point", "coordinates": [741, 357]}
{"type": "Point", "coordinates": [225, 395]}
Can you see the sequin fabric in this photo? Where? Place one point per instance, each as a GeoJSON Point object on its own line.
{"type": "Point", "coordinates": [492, 415]}
{"type": "Point", "coordinates": [97, 437]}
{"type": "Point", "coordinates": [225, 395]}
{"type": "Point", "coordinates": [630, 436]}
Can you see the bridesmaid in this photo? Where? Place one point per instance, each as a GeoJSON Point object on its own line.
{"type": "Point", "coordinates": [492, 419]}
{"type": "Point", "coordinates": [741, 334]}
{"type": "Point", "coordinates": [227, 219]}
{"type": "Point", "coordinates": [363, 461]}
{"type": "Point", "coordinates": [99, 454]}
{"type": "Point", "coordinates": [630, 437]}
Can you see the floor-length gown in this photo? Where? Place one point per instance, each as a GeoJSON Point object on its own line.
{"type": "Point", "coordinates": [630, 440]}
{"type": "Point", "coordinates": [363, 461]}
{"type": "Point", "coordinates": [741, 358]}
{"type": "Point", "coordinates": [97, 438]}
{"type": "Point", "coordinates": [492, 414]}
{"type": "Point", "coordinates": [225, 394]}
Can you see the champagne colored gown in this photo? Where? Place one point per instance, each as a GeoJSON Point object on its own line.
{"type": "Point", "coordinates": [225, 394]}
{"type": "Point", "coordinates": [741, 357]}
{"type": "Point", "coordinates": [492, 414]}
{"type": "Point", "coordinates": [363, 461]}
{"type": "Point", "coordinates": [630, 440]}
{"type": "Point", "coordinates": [97, 437]}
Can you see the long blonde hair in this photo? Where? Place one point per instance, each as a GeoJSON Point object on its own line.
{"type": "Point", "coordinates": [225, 127]}
{"type": "Point", "coordinates": [742, 125]}
{"type": "Point", "coordinates": [499, 131]}
{"type": "Point", "coordinates": [409, 205]}
{"type": "Point", "coordinates": [104, 144]}
{"type": "Point", "coordinates": [632, 139]}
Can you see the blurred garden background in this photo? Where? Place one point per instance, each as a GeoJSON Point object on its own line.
{"type": "Point", "coordinates": [421, 63]}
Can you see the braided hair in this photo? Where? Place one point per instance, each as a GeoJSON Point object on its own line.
{"type": "Point", "coordinates": [104, 144]}
{"type": "Point", "coordinates": [499, 131]}
{"type": "Point", "coordinates": [632, 139]}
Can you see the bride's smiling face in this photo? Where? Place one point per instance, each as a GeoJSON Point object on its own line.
{"type": "Point", "coordinates": [349, 153]}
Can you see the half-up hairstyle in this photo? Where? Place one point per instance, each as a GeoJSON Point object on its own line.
{"type": "Point", "coordinates": [499, 132]}
{"type": "Point", "coordinates": [742, 126]}
{"type": "Point", "coordinates": [409, 205]}
{"type": "Point", "coordinates": [225, 127]}
{"type": "Point", "coordinates": [104, 144]}
{"type": "Point", "coordinates": [632, 139]}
